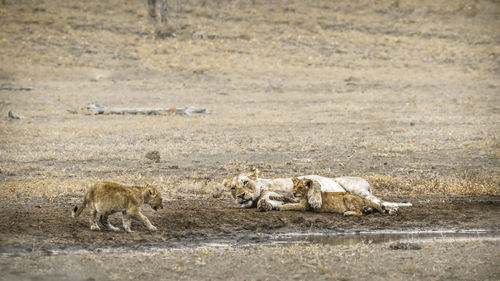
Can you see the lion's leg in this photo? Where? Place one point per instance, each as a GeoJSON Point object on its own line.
{"type": "Point", "coordinates": [126, 222]}
{"type": "Point", "coordinates": [376, 206]}
{"type": "Point", "coordinates": [93, 218]}
{"type": "Point", "coordinates": [145, 220]}
{"type": "Point", "coordinates": [302, 206]}
{"type": "Point", "coordinates": [353, 213]}
{"type": "Point", "coordinates": [105, 221]}
{"type": "Point", "coordinates": [284, 198]}
{"type": "Point", "coordinates": [272, 200]}
{"type": "Point", "coordinates": [352, 202]}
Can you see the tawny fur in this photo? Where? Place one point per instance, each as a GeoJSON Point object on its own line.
{"type": "Point", "coordinates": [106, 198]}
{"type": "Point", "coordinates": [311, 197]}
{"type": "Point", "coordinates": [250, 191]}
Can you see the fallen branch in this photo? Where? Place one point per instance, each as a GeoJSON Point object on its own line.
{"type": "Point", "coordinates": [97, 108]}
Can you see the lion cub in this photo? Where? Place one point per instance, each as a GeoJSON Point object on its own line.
{"type": "Point", "coordinates": [106, 198]}
{"type": "Point", "coordinates": [312, 198]}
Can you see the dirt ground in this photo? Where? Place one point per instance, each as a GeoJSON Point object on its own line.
{"type": "Point", "coordinates": [402, 93]}
{"type": "Point", "coordinates": [49, 226]}
{"type": "Point", "coordinates": [214, 239]}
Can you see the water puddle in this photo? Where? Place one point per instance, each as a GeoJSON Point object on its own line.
{"type": "Point", "coordinates": [385, 236]}
{"type": "Point", "coordinates": [401, 237]}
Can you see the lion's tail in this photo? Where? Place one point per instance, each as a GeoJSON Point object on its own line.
{"type": "Point", "coordinates": [77, 210]}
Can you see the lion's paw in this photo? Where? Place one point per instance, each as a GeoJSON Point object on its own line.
{"type": "Point", "coordinates": [367, 210]}
{"type": "Point", "coordinates": [264, 206]}
{"type": "Point", "coordinates": [112, 228]}
{"type": "Point", "coordinates": [392, 211]}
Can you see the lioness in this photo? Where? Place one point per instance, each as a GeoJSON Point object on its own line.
{"type": "Point", "coordinates": [312, 198]}
{"type": "Point", "coordinates": [106, 198]}
{"type": "Point", "coordinates": [251, 191]}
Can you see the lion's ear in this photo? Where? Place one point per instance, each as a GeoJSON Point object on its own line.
{"type": "Point", "coordinates": [309, 183]}
{"type": "Point", "coordinates": [295, 181]}
{"type": "Point", "coordinates": [314, 196]}
{"type": "Point", "coordinates": [255, 174]}
{"type": "Point", "coordinates": [149, 191]}
{"type": "Point", "coordinates": [226, 183]}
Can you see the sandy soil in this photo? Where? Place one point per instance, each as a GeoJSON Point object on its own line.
{"type": "Point", "coordinates": [404, 94]}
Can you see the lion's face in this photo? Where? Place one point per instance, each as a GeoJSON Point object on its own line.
{"type": "Point", "coordinates": [153, 198]}
{"type": "Point", "coordinates": [301, 187]}
{"type": "Point", "coordinates": [244, 189]}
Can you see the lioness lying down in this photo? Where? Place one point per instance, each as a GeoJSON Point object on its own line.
{"type": "Point", "coordinates": [310, 197]}
{"type": "Point", "coordinates": [251, 191]}
{"type": "Point", "coordinates": [106, 198]}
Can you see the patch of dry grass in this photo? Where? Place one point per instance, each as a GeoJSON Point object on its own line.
{"type": "Point", "coordinates": [284, 80]}
{"type": "Point", "coordinates": [462, 184]}
{"type": "Point", "coordinates": [49, 189]}
{"type": "Point", "coordinates": [176, 187]}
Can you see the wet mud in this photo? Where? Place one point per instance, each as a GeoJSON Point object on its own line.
{"type": "Point", "coordinates": [38, 227]}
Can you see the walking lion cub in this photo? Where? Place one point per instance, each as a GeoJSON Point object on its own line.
{"type": "Point", "coordinates": [310, 197]}
{"type": "Point", "coordinates": [106, 198]}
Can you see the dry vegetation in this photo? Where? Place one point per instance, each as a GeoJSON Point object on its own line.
{"type": "Point", "coordinates": [405, 93]}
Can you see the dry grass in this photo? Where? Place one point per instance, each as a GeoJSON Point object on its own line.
{"type": "Point", "coordinates": [373, 87]}
{"type": "Point", "coordinates": [461, 184]}
{"type": "Point", "coordinates": [50, 189]}
{"type": "Point", "coordinates": [175, 187]}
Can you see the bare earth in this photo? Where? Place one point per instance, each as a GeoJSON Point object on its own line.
{"type": "Point", "coordinates": [403, 93]}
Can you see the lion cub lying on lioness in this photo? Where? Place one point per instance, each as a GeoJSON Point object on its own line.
{"type": "Point", "coordinates": [106, 198]}
{"type": "Point", "coordinates": [310, 197]}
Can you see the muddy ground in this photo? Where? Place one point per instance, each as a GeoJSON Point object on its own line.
{"type": "Point", "coordinates": [50, 226]}
{"type": "Point", "coordinates": [213, 239]}
{"type": "Point", "coordinates": [402, 93]}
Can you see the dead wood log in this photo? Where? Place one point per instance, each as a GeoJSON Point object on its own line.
{"type": "Point", "coordinates": [97, 108]}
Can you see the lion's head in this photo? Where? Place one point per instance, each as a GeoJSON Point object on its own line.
{"type": "Point", "coordinates": [244, 188]}
{"type": "Point", "coordinates": [308, 189]}
{"type": "Point", "coordinates": [301, 187]}
{"type": "Point", "coordinates": [153, 197]}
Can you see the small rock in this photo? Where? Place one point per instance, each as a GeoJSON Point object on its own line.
{"type": "Point", "coordinates": [14, 115]}
{"type": "Point", "coordinates": [153, 156]}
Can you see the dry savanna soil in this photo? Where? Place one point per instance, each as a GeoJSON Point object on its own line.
{"type": "Point", "coordinates": [402, 93]}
